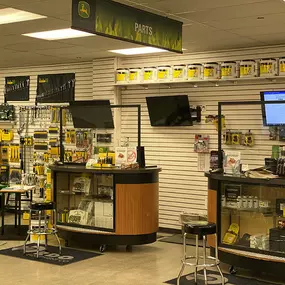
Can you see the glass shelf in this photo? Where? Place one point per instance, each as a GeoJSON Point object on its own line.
{"type": "Point", "coordinates": [90, 207]}
{"type": "Point", "coordinates": [253, 229]}
{"type": "Point", "coordinates": [265, 211]}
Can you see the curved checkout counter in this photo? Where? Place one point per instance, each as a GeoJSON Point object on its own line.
{"type": "Point", "coordinates": [106, 206]}
{"type": "Point", "coordinates": [250, 220]}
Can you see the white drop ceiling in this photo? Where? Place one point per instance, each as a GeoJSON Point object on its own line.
{"type": "Point", "coordinates": [208, 25]}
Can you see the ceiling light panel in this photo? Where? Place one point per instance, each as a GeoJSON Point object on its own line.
{"type": "Point", "coordinates": [10, 15]}
{"type": "Point", "coordinates": [59, 34]}
{"type": "Point", "coordinates": [140, 50]}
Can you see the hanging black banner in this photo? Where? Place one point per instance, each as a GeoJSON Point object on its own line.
{"type": "Point", "coordinates": [17, 88]}
{"type": "Point", "coordinates": [56, 88]}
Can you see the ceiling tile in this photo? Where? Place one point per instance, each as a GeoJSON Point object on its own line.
{"type": "Point", "coordinates": [237, 23]}
{"type": "Point", "coordinates": [263, 30]}
{"type": "Point", "coordinates": [271, 39]}
{"type": "Point", "coordinates": [241, 11]}
{"type": "Point", "coordinates": [51, 8]}
{"type": "Point", "coordinates": [33, 26]}
{"type": "Point", "coordinates": [184, 6]}
{"type": "Point", "coordinates": [12, 3]}
{"type": "Point", "coordinates": [38, 45]}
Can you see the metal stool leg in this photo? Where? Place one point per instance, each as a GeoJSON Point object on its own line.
{"type": "Point", "coordinates": [217, 261]}
{"type": "Point", "coordinates": [54, 226]}
{"type": "Point", "coordinates": [204, 258]}
{"type": "Point", "coordinates": [39, 233]}
{"type": "Point", "coordinates": [183, 259]}
{"type": "Point", "coordinates": [59, 245]}
{"type": "Point", "coordinates": [29, 231]}
{"type": "Point", "coordinates": [197, 258]}
{"type": "Point", "coordinates": [45, 229]}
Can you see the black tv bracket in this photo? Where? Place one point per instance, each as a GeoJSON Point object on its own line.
{"type": "Point", "coordinates": [196, 114]}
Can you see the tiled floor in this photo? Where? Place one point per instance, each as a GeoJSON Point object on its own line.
{"type": "Point", "coordinates": [146, 265]}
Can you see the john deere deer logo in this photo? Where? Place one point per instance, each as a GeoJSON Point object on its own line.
{"type": "Point", "coordinates": [83, 9]}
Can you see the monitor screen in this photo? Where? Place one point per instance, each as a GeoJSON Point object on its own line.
{"type": "Point", "coordinates": [169, 111]}
{"type": "Point", "coordinates": [92, 115]}
{"type": "Point", "coordinates": [273, 114]}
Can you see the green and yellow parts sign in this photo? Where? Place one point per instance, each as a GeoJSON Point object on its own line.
{"type": "Point", "coordinates": [116, 20]}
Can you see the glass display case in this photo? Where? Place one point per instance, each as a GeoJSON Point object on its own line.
{"type": "Point", "coordinates": [252, 217]}
{"type": "Point", "coordinates": [85, 200]}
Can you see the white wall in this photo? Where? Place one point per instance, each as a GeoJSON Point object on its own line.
{"type": "Point", "coordinates": [182, 186]}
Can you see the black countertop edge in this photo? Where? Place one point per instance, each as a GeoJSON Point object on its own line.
{"type": "Point", "coordinates": [243, 179]}
{"type": "Point", "coordinates": [79, 168]}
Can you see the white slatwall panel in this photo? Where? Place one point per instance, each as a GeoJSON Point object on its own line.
{"type": "Point", "coordinates": [182, 186]}
{"type": "Point", "coordinates": [103, 89]}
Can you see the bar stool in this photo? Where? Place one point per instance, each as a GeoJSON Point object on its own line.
{"type": "Point", "coordinates": [200, 229]}
{"type": "Point", "coordinates": [42, 229]}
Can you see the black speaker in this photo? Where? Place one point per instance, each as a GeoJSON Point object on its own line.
{"type": "Point", "coordinates": [141, 156]}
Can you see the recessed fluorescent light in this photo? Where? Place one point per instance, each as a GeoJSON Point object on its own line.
{"type": "Point", "coordinates": [140, 50]}
{"type": "Point", "coordinates": [58, 34]}
{"type": "Point", "coordinates": [10, 15]}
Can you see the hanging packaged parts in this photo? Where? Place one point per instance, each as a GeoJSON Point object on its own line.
{"type": "Point", "coordinates": [67, 136]}
{"type": "Point", "coordinates": [15, 153]}
{"type": "Point", "coordinates": [5, 149]}
{"type": "Point", "coordinates": [64, 117]}
{"type": "Point", "coordinates": [249, 139]}
{"type": "Point", "coordinates": [40, 145]}
{"type": "Point", "coordinates": [53, 130]}
{"type": "Point", "coordinates": [39, 168]}
{"type": "Point", "coordinates": [68, 155]}
{"type": "Point", "coordinates": [29, 141]}
{"type": "Point", "coordinates": [4, 174]}
{"type": "Point", "coordinates": [54, 115]}
{"type": "Point", "coordinates": [15, 175]}
{"type": "Point", "coordinates": [7, 135]}
{"type": "Point", "coordinates": [54, 150]}
{"type": "Point", "coordinates": [7, 112]}
{"type": "Point", "coordinates": [236, 138]}
{"type": "Point", "coordinates": [40, 134]}
{"type": "Point", "coordinates": [228, 137]}
{"type": "Point", "coordinates": [72, 136]}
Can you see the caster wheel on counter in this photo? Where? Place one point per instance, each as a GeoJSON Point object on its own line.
{"type": "Point", "coordinates": [232, 270]}
{"type": "Point", "coordinates": [129, 248]}
{"type": "Point", "coordinates": [103, 248]}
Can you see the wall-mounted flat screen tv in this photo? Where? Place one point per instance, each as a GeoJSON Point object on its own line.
{"type": "Point", "coordinates": [95, 114]}
{"type": "Point", "coordinates": [169, 111]}
{"type": "Point", "coordinates": [273, 114]}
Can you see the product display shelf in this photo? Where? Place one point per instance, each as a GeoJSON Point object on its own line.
{"type": "Point", "coordinates": [215, 82]}
{"type": "Point", "coordinates": [265, 211]}
{"type": "Point", "coordinates": [128, 216]}
{"type": "Point", "coordinates": [248, 237]}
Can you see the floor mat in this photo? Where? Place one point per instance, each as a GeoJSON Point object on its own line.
{"type": "Point", "coordinates": [179, 240]}
{"type": "Point", "coordinates": [215, 278]}
{"type": "Point", "coordinates": [50, 255]}
{"type": "Point", "coordinates": [12, 233]}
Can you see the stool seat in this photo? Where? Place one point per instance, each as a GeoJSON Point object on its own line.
{"type": "Point", "coordinates": [42, 206]}
{"type": "Point", "coordinates": [201, 228]}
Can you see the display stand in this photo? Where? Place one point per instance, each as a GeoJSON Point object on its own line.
{"type": "Point", "coordinates": [254, 245]}
{"type": "Point", "coordinates": [120, 207]}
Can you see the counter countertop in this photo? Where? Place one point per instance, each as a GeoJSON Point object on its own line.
{"type": "Point", "coordinates": [80, 168]}
{"type": "Point", "coordinates": [243, 179]}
